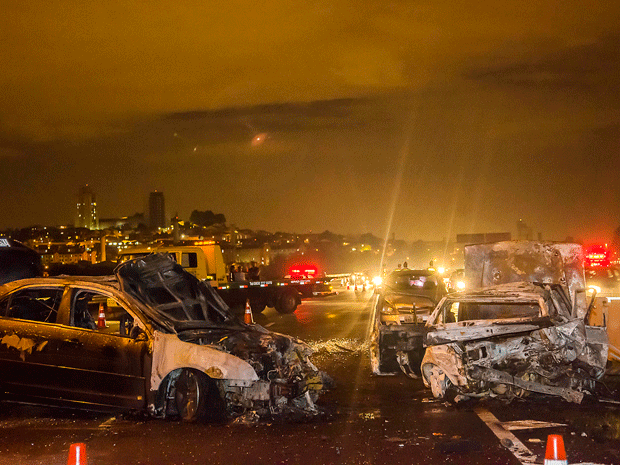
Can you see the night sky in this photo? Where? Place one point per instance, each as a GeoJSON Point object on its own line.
{"type": "Point", "coordinates": [425, 118]}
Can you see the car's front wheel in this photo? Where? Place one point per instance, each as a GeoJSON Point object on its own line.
{"type": "Point", "coordinates": [195, 397]}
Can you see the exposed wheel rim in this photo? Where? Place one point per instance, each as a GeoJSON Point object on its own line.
{"type": "Point", "coordinates": [437, 381]}
{"type": "Point", "coordinates": [187, 395]}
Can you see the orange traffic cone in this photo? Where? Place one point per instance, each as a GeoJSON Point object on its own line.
{"type": "Point", "coordinates": [555, 454]}
{"type": "Point", "coordinates": [77, 454]}
{"type": "Point", "coordinates": [101, 323]}
{"type": "Point", "coordinates": [247, 317]}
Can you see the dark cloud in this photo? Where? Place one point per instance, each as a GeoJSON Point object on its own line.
{"type": "Point", "coordinates": [591, 66]}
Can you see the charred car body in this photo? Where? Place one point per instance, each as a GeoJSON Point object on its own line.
{"type": "Point", "coordinates": [401, 308]}
{"type": "Point", "coordinates": [152, 339]}
{"type": "Point", "coordinates": [521, 329]}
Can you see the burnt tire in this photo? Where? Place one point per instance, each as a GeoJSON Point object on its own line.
{"type": "Point", "coordinates": [195, 397]}
{"type": "Point", "coordinates": [287, 302]}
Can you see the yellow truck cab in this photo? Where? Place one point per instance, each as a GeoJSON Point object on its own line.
{"type": "Point", "coordinates": [205, 262]}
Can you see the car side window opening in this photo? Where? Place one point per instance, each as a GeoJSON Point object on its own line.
{"type": "Point", "coordinates": [98, 312]}
{"type": "Point", "coordinates": [33, 304]}
{"type": "Point", "coordinates": [449, 313]}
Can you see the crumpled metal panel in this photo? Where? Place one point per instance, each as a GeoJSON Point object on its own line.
{"type": "Point", "coordinates": [528, 261]}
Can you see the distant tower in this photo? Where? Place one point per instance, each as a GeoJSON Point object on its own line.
{"type": "Point", "coordinates": [87, 209]}
{"type": "Point", "coordinates": [157, 211]}
{"type": "Point", "coordinates": [524, 232]}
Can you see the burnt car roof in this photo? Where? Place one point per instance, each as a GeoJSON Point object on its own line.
{"type": "Point", "coordinates": [101, 283]}
{"type": "Point", "coordinates": [61, 280]}
{"type": "Point", "coordinates": [178, 297]}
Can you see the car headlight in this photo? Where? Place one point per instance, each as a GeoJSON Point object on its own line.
{"type": "Point", "coordinates": [460, 285]}
{"type": "Point", "coordinates": [377, 280]}
{"type": "Point", "coordinates": [388, 310]}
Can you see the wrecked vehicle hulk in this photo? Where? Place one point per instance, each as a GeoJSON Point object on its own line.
{"type": "Point", "coordinates": [154, 339]}
{"type": "Point", "coordinates": [400, 311]}
{"type": "Point", "coordinates": [522, 327]}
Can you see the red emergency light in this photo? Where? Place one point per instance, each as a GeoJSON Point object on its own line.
{"type": "Point", "coordinates": [597, 256]}
{"type": "Point", "coordinates": [303, 271]}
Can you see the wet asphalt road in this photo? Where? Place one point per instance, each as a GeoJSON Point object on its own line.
{"type": "Point", "coordinates": [369, 420]}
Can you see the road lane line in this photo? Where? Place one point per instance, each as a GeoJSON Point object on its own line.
{"type": "Point", "coordinates": [529, 424]}
{"type": "Point", "coordinates": [506, 438]}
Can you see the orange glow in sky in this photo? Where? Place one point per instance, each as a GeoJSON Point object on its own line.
{"type": "Point", "coordinates": [259, 139]}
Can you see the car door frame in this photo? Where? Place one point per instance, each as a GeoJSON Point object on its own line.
{"type": "Point", "coordinates": [114, 370]}
{"type": "Point", "coordinates": [28, 352]}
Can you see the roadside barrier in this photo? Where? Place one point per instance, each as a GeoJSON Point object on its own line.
{"type": "Point", "coordinates": [555, 453]}
{"type": "Point", "coordinates": [101, 323]}
{"type": "Point", "coordinates": [77, 454]}
{"type": "Point", "coordinates": [248, 318]}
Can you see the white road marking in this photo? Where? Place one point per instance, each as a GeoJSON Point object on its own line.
{"type": "Point", "coordinates": [108, 423]}
{"type": "Point", "coordinates": [506, 438]}
{"type": "Point", "coordinates": [529, 424]}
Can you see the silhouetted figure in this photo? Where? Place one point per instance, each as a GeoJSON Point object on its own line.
{"type": "Point", "coordinates": [253, 272]}
{"type": "Point", "coordinates": [239, 274]}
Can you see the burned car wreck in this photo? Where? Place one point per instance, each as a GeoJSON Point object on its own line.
{"type": "Point", "coordinates": [400, 311]}
{"type": "Point", "coordinates": [522, 328]}
{"type": "Point", "coordinates": [152, 339]}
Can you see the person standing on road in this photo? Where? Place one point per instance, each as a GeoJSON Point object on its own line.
{"type": "Point", "coordinates": [253, 272]}
{"type": "Point", "coordinates": [239, 274]}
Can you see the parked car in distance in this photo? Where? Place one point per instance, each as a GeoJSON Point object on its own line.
{"type": "Point", "coordinates": [456, 281]}
{"type": "Point", "coordinates": [154, 338]}
{"type": "Point", "coordinates": [606, 281]}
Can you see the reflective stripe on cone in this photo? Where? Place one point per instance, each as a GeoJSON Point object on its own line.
{"type": "Point", "coordinates": [101, 322]}
{"type": "Point", "coordinates": [555, 453]}
{"type": "Point", "coordinates": [77, 454]}
{"type": "Point", "coordinates": [248, 318]}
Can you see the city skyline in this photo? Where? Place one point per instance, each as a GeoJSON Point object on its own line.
{"type": "Point", "coordinates": [154, 218]}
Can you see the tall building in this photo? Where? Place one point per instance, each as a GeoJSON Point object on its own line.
{"type": "Point", "coordinates": [524, 232]}
{"type": "Point", "coordinates": [87, 209]}
{"type": "Point", "coordinates": [157, 211]}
